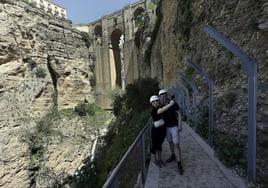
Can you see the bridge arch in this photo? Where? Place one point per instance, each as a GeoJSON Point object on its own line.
{"type": "Point", "coordinates": [98, 31]}
{"type": "Point", "coordinates": [138, 11]}
{"type": "Point", "coordinates": [116, 60]}
{"type": "Point", "coordinates": [138, 16]}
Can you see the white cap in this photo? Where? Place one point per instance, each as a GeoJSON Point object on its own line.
{"type": "Point", "coordinates": [162, 91]}
{"type": "Point", "coordinates": [154, 98]}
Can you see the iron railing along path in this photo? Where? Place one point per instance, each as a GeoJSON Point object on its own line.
{"type": "Point", "coordinates": [140, 148]}
{"type": "Point", "coordinates": [210, 84]}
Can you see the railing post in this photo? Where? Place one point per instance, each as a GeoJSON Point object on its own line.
{"type": "Point", "coordinates": [252, 88]}
{"type": "Point", "coordinates": [194, 106]}
{"type": "Point", "coordinates": [211, 114]}
{"type": "Point", "coordinates": [142, 159]}
{"type": "Point", "coordinates": [251, 70]}
{"type": "Point", "coordinates": [150, 134]}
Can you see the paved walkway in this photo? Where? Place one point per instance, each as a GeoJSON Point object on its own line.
{"type": "Point", "coordinates": [202, 169]}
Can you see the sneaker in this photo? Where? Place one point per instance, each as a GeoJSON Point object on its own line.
{"type": "Point", "coordinates": [180, 169]}
{"type": "Point", "coordinates": [171, 158]}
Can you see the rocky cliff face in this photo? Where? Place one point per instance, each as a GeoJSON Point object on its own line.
{"type": "Point", "coordinates": [44, 64]}
{"type": "Point", "coordinates": [181, 36]}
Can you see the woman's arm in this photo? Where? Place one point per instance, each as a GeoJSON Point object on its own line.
{"type": "Point", "coordinates": [166, 107]}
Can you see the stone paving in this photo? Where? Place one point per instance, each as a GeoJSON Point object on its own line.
{"type": "Point", "coordinates": [202, 169]}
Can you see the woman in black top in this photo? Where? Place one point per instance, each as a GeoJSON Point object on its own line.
{"type": "Point", "coordinates": [158, 132]}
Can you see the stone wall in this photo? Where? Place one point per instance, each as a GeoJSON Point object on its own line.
{"type": "Point", "coordinates": [44, 64]}
{"type": "Point", "coordinates": [181, 36]}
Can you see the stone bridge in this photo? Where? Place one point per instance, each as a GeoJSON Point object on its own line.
{"type": "Point", "coordinates": [116, 56]}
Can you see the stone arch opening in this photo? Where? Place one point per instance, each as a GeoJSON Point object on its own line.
{"type": "Point", "coordinates": [117, 54]}
{"type": "Point", "coordinates": [138, 16]}
{"type": "Point", "coordinates": [98, 31]}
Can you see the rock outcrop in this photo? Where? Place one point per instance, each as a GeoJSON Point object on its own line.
{"type": "Point", "coordinates": [44, 65]}
{"type": "Point", "coordinates": [181, 35]}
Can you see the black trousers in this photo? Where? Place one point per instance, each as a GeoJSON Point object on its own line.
{"type": "Point", "coordinates": [158, 136]}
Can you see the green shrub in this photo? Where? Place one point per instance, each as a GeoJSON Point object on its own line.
{"type": "Point", "coordinates": [229, 149]}
{"type": "Point", "coordinates": [136, 97]}
{"type": "Point", "coordinates": [37, 138]}
{"type": "Point", "coordinates": [118, 105]}
{"type": "Point", "coordinates": [40, 72]}
{"type": "Point", "coordinates": [29, 61]}
{"type": "Point", "coordinates": [138, 94]}
{"type": "Point", "coordinates": [125, 136]}
{"type": "Point", "coordinates": [117, 91]}
{"type": "Point", "coordinates": [139, 21]}
{"type": "Point", "coordinates": [69, 113]}
{"type": "Point", "coordinates": [132, 112]}
{"type": "Point", "coordinates": [202, 127]}
{"type": "Point", "coordinates": [152, 6]}
{"type": "Point", "coordinates": [83, 109]}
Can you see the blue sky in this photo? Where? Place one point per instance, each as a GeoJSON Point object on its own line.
{"type": "Point", "coordinates": [85, 11]}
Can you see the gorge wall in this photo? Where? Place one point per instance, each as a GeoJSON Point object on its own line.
{"type": "Point", "coordinates": [44, 65]}
{"type": "Point", "coordinates": [181, 35]}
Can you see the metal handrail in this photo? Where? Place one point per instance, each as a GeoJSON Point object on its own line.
{"type": "Point", "coordinates": [139, 140]}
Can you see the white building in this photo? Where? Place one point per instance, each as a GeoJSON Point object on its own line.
{"type": "Point", "coordinates": [50, 7]}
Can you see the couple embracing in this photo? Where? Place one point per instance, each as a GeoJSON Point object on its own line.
{"type": "Point", "coordinates": [166, 123]}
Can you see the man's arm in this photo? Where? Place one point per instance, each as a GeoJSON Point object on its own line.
{"type": "Point", "coordinates": [166, 107]}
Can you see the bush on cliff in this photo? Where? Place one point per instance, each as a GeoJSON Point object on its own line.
{"type": "Point", "coordinates": [132, 111]}
{"type": "Point", "coordinates": [83, 109]}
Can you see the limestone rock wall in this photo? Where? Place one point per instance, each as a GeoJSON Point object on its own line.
{"type": "Point", "coordinates": [44, 63]}
{"type": "Point", "coordinates": [181, 36]}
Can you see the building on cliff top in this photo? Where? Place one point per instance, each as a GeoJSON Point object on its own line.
{"type": "Point", "coordinates": [50, 7]}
